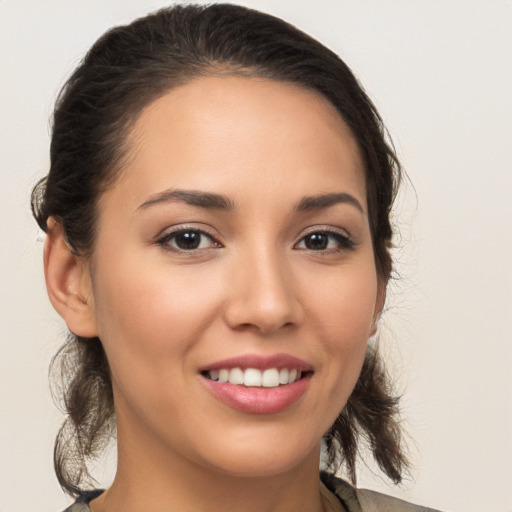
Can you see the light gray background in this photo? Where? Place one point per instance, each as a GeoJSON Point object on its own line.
{"type": "Point", "coordinates": [440, 72]}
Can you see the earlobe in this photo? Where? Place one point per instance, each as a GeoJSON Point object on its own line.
{"type": "Point", "coordinates": [68, 283]}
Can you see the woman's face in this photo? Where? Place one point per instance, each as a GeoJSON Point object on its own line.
{"type": "Point", "coordinates": [235, 246]}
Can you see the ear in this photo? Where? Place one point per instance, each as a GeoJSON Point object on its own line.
{"type": "Point", "coordinates": [68, 283]}
{"type": "Point", "coordinates": [379, 306]}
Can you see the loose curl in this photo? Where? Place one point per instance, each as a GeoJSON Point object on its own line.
{"type": "Point", "coordinates": [128, 68]}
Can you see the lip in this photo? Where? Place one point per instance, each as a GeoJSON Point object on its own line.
{"type": "Point", "coordinates": [259, 400]}
{"type": "Point", "coordinates": [260, 362]}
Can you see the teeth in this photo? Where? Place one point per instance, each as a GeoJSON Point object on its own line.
{"type": "Point", "coordinates": [270, 378]}
{"type": "Point", "coordinates": [252, 377]}
{"type": "Point", "coordinates": [236, 376]}
{"type": "Point", "coordinates": [283, 376]}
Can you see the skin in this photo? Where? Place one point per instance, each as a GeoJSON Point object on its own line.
{"type": "Point", "coordinates": [254, 286]}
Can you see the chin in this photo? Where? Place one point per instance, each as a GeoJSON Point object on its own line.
{"type": "Point", "coordinates": [260, 460]}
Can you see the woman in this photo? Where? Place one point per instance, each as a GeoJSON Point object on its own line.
{"type": "Point", "coordinates": [217, 219]}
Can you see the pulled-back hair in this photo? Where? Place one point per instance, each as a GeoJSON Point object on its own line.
{"type": "Point", "coordinates": [127, 69]}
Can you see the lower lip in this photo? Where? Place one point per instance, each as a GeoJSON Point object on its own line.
{"type": "Point", "coordinates": [258, 400]}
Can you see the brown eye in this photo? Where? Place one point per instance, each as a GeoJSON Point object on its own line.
{"type": "Point", "coordinates": [316, 241]}
{"type": "Point", "coordinates": [187, 240]}
{"type": "Point", "coordinates": [325, 241]}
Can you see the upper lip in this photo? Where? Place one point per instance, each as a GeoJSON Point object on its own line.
{"type": "Point", "coordinates": [260, 362]}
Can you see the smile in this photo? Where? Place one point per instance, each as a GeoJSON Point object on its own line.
{"type": "Point", "coordinates": [258, 384]}
{"type": "Point", "coordinates": [253, 377]}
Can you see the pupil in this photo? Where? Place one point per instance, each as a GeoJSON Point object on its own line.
{"type": "Point", "coordinates": [188, 240]}
{"type": "Point", "coordinates": [317, 241]}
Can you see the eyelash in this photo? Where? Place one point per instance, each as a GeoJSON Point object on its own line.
{"type": "Point", "coordinates": [342, 239]}
{"type": "Point", "coordinates": [165, 240]}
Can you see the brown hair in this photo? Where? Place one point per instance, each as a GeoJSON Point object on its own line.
{"type": "Point", "coordinates": [125, 70]}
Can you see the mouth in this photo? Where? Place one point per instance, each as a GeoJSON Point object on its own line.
{"type": "Point", "coordinates": [254, 377]}
{"type": "Point", "coordinates": [258, 384]}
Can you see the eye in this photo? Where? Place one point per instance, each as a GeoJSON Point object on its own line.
{"type": "Point", "coordinates": [187, 239]}
{"type": "Point", "coordinates": [325, 240]}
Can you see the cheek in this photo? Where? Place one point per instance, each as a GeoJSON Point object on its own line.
{"type": "Point", "coordinates": [344, 312]}
{"type": "Point", "coordinates": [151, 326]}
{"type": "Point", "coordinates": [345, 305]}
{"type": "Point", "coordinates": [148, 318]}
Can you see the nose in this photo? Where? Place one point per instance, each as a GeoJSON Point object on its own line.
{"type": "Point", "coordinates": [262, 294]}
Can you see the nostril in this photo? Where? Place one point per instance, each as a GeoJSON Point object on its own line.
{"type": "Point", "coordinates": [261, 295]}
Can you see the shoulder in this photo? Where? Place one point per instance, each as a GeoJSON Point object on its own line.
{"type": "Point", "coordinates": [363, 500]}
{"type": "Point", "coordinates": [376, 502]}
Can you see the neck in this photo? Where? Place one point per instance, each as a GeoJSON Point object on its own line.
{"type": "Point", "coordinates": [156, 479]}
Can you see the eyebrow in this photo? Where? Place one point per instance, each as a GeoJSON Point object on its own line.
{"type": "Point", "coordinates": [211, 201]}
{"type": "Point", "coordinates": [325, 200]}
{"type": "Point", "coordinates": [206, 200]}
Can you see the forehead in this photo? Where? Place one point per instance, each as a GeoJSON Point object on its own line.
{"type": "Point", "coordinates": [217, 132]}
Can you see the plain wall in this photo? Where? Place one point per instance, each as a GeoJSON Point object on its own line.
{"type": "Point", "coordinates": [440, 71]}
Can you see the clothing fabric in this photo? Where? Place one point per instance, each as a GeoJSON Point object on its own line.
{"type": "Point", "coordinates": [364, 500]}
{"type": "Point", "coordinates": [352, 499]}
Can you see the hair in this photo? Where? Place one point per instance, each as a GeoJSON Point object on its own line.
{"type": "Point", "coordinates": [127, 69]}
